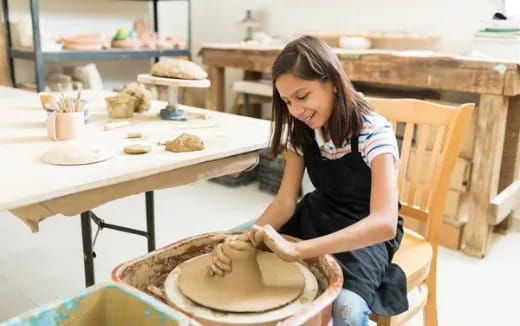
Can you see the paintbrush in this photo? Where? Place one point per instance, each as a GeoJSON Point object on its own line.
{"type": "Point", "coordinates": [65, 104]}
{"type": "Point", "coordinates": [70, 105]}
{"type": "Point", "coordinates": [78, 102]}
{"type": "Point", "coordinates": [54, 105]}
{"type": "Point", "coordinates": [78, 107]}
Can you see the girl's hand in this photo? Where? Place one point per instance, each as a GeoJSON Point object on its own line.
{"type": "Point", "coordinates": [284, 249]}
{"type": "Point", "coordinates": [220, 263]}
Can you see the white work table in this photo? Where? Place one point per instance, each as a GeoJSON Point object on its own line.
{"type": "Point", "coordinates": [33, 190]}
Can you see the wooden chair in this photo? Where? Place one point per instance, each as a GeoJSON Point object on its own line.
{"type": "Point", "coordinates": [427, 188]}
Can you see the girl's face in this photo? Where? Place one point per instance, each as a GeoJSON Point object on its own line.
{"type": "Point", "coordinates": [310, 101]}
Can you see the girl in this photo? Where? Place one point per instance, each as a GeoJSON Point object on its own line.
{"type": "Point", "coordinates": [351, 155]}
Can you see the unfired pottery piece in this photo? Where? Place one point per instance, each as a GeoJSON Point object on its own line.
{"type": "Point", "coordinates": [143, 97]}
{"type": "Point", "coordinates": [120, 106]}
{"type": "Point", "coordinates": [185, 143]}
{"type": "Point", "coordinates": [137, 149]}
{"type": "Point", "coordinates": [76, 153]}
{"type": "Point", "coordinates": [177, 68]}
{"type": "Point", "coordinates": [255, 283]}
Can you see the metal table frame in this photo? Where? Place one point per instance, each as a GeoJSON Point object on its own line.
{"type": "Point", "coordinates": [86, 233]}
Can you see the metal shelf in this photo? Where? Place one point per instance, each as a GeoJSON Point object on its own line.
{"type": "Point", "coordinates": [40, 57]}
{"type": "Point", "coordinates": [68, 55]}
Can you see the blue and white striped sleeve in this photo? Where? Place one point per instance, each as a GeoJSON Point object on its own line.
{"type": "Point", "coordinates": [380, 139]}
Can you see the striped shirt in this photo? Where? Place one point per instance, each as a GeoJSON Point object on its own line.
{"type": "Point", "coordinates": [376, 137]}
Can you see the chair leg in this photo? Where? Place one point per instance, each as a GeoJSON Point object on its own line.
{"type": "Point", "coordinates": [430, 309]}
{"type": "Point", "coordinates": [384, 320]}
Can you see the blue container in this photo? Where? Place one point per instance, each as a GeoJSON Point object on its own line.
{"type": "Point", "coordinates": [110, 304]}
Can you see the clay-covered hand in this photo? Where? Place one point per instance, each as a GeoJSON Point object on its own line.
{"type": "Point", "coordinates": [284, 249]}
{"type": "Point", "coordinates": [220, 263]}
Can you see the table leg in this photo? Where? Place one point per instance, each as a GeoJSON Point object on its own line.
{"type": "Point", "coordinates": [215, 98]}
{"type": "Point", "coordinates": [489, 145]}
{"type": "Point", "coordinates": [510, 170]}
{"type": "Point", "coordinates": [88, 258]}
{"type": "Point", "coordinates": [150, 220]}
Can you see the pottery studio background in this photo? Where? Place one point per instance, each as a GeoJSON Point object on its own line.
{"type": "Point", "coordinates": [36, 269]}
{"type": "Point", "coordinates": [281, 19]}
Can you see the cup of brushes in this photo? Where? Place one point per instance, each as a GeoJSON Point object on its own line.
{"type": "Point", "coordinates": [52, 102]}
{"type": "Point", "coordinates": [67, 118]}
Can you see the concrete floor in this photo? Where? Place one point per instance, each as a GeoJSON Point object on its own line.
{"type": "Point", "coordinates": [37, 268]}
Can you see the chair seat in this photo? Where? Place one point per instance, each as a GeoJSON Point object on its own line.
{"type": "Point", "coordinates": [414, 257]}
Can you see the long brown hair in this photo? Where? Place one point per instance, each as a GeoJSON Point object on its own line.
{"type": "Point", "coordinates": [309, 58]}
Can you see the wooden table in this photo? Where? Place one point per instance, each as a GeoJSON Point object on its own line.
{"type": "Point", "coordinates": [33, 190]}
{"type": "Point", "coordinates": [497, 147]}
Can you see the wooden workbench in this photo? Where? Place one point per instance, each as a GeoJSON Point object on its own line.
{"type": "Point", "coordinates": [33, 190]}
{"type": "Point", "coordinates": [497, 147]}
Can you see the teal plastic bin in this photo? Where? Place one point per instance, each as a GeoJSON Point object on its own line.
{"type": "Point", "coordinates": [110, 304]}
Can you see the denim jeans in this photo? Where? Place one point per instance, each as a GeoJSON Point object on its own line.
{"type": "Point", "coordinates": [349, 308]}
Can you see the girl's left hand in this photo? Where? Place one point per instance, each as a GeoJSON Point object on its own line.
{"type": "Point", "coordinates": [284, 249]}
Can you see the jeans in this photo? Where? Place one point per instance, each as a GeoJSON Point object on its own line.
{"type": "Point", "coordinates": [349, 308]}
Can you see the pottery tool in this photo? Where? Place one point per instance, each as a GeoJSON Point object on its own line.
{"type": "Point", "coordinates": [172, 110]}
{"type": "Point", "coordinates": [133, 133]}
{"type": "Point", "coordinates": [63, 105]}
{"type": "Point", "coordinates": [116, 124]}
{"type": "Point", "coordinates": [78, 102]}
{"type": "Point", "coordinates": [54, 105]}
{"type": "Point", "coordinates": [69, 102]}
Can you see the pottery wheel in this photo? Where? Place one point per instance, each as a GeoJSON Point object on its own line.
{"type": "Point", "coordinates": [280, 283]}
{"type": "Point", "coordinates": [176, 298]}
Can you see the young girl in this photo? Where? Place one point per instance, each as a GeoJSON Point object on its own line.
{"type": "Point", "coordinates": [351, 156]}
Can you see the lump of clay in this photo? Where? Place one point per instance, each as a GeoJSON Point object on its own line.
{"type": "Point", "coordinates": [177, 68]}
{"type": "Point", "coordinates": [137, 149]}
{"type": "Point", "coordinates": [185, 143]}
{"type": "Point", "coordinates": [142, 96]}
{"type": "Point", "coordinates": [257, 282]}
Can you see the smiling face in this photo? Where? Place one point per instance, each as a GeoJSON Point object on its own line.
{"type": "Point", "coordinates": [310, 101]}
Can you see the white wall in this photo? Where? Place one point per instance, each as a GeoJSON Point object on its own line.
{"type": "Point", "coordinates": [218, 20]}
{"type": "Point", "coordinates": [454, 20]}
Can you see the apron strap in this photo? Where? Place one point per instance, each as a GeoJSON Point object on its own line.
{"type": "Point", "coordinates": [354, 144]}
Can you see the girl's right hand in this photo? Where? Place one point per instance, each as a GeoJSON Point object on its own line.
{"type": "Point", "coordinates": [220, 263]}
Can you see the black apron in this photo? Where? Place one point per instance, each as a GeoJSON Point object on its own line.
{"type": "Point", "coordinates": [341, 198]}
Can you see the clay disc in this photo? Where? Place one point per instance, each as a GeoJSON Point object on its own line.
{"type": "Point", "coordinates": [76, 153]}
{"type": "Point", "coordinates": [282, 283]}
{"type": "Point", "coordinates": [137, 149]}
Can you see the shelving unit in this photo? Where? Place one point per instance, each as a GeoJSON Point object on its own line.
{"type": "Point", "coordinates": [40, 57]}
